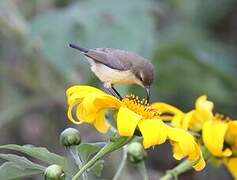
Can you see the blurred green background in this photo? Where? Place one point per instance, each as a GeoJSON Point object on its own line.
{"type": "Point", "coordinates": [192, 43]}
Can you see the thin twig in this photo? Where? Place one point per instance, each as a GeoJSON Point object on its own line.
{"type": "Point", "coordinates": [122, 164]}
{"type": "Point", "coordinates": [175, 172]}
{"type": "Point", "coordinates": [143, 170]}
{"type": "Point", "coordinates": [78, 161]}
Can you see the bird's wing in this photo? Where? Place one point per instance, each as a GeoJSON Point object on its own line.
{"type": "Point", "coordinates": [110, 58]}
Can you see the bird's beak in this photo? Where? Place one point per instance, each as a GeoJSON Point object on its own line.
{"type": "Point", "coordinates": [148, 93]}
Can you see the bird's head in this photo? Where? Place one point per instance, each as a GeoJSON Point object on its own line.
{"type": "Point", "coordinates": [145, 75]}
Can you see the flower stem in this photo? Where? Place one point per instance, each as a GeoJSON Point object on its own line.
{"type": "Point", "coordinates": [183, 167]}
{"type": "Point", "coordinates": [78, 160]}
{"type": "Point", "coordinates": [110, 147]}
{"type": "Point", "coordinates": [174, 173]}
{"type": "Point", "coordinates": [122, 164]}
{"type": "Point", "coordinates": [143, 170]}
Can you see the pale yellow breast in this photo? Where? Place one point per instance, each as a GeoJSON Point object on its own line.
{"type": "Point", "coordinates": [109, 75]}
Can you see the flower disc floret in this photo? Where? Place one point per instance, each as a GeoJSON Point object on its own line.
{"type": "Point", "coordinates": [141, 107]}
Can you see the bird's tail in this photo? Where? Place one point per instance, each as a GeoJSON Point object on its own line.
{"type": "Point", "coordinates": [83, 50]}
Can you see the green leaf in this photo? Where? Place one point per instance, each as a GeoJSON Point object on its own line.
{"type": "Point", "coordinates": [86, 150]}
{"type": "Point", "coordinates": [37, 152]}
{"type": "Point", "coordinates": [18, 166]}
{"type": "Point", "coordinates": [11, 170]}
{"type": "Point", "coordinates": [21, 161]}
{"type": "Point", "coordinates": [97, 168]}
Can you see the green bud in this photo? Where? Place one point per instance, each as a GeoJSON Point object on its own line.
{"type": "Point", "coordinates": [70, 137]}
{"type": "Point", "coordinates": [54, 172]}
{"type": "Point", "coordinates": [136, 152]}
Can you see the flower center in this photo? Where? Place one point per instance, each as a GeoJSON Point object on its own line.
{"type": "Point", "coordinates": [141, 107]}
{"type": "Point", "coordinates": [221, 117]}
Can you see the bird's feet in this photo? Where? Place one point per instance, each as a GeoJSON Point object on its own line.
{"type": "Point", "coordinates": [111, 90]}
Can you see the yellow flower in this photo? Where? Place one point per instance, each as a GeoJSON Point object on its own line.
{"type": "Point", "coordinates": [202, 113]}
{"type": "Point", "coordinates": [213, 135]}
{"type": "Point", "coordinates": [214, 129]}
{"type": "Point", "coordinates": [88, 97]}
{"type": "Point", "coordinates": [91, 104]}
{"type": "Point", "coordinates": [218, 131]}
{"type": "Point", "coordinates": [231, 140]}
{"type": "Point", "coordinates": [192, 120]}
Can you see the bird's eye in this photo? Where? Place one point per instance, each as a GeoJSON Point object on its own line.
{"type": "Point", "coordinates": [140, 78]}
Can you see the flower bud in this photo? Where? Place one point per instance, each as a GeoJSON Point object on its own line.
{"type": "Point", "coordinates": [54, 172]}
{"type": "Point", "coordinates": [136, 152]}
{"type": "Point", "coordinates": [70, 137]}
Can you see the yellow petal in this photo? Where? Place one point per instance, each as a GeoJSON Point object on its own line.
{"type": "Point", "coordinates": [200, 165]}
{"type": "Point", "coordinates": [213, 134]}
{"type": "Point", "coordinates": [231, 164]}
{"type": "Point", "coordinates": [197, 158]}
{"type": "Point", "coordinates": [100, 122]}
{"type": "Point", "coordinates": [107, 101]}
{"type": "Point", "coordinates": [203, 103]}
{"type": "Point", "coordinates": [87, 110]}
{"type": "Point", "coordinates": [77, 93]}
{"type": "Point", "coordinates": [127, 121]}
{"type": "Point", "coordinates": [187, 120]}
{"type": "Point", "coordinates": [184, 139]}
{"type": "Point", "coordinates": [154, 132]}
{"type": "Point", "coordinates": [93, 103]}
{"type": "Point", "coordinates": [177, 120]}
{"type": "Point", "coordinates": [185, 145]}
{"type": "Point", "coordinates": [166, 108]}
{"type": "Point", "coordinates": [83, 90]}
{"type": "Point", "coordinates": [232, 127]}
{"type": "Point", "coordinates": [204, 109]}
{"type": "Point", "coordinates": [177, 151]}
{"type": "Point", "coordinates": [231, 134]}
{"type": "Point", "coordinates": [70, 116]}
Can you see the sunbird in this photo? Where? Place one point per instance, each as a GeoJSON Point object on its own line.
{"type": "Point", "coordinates": [115, 66]}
